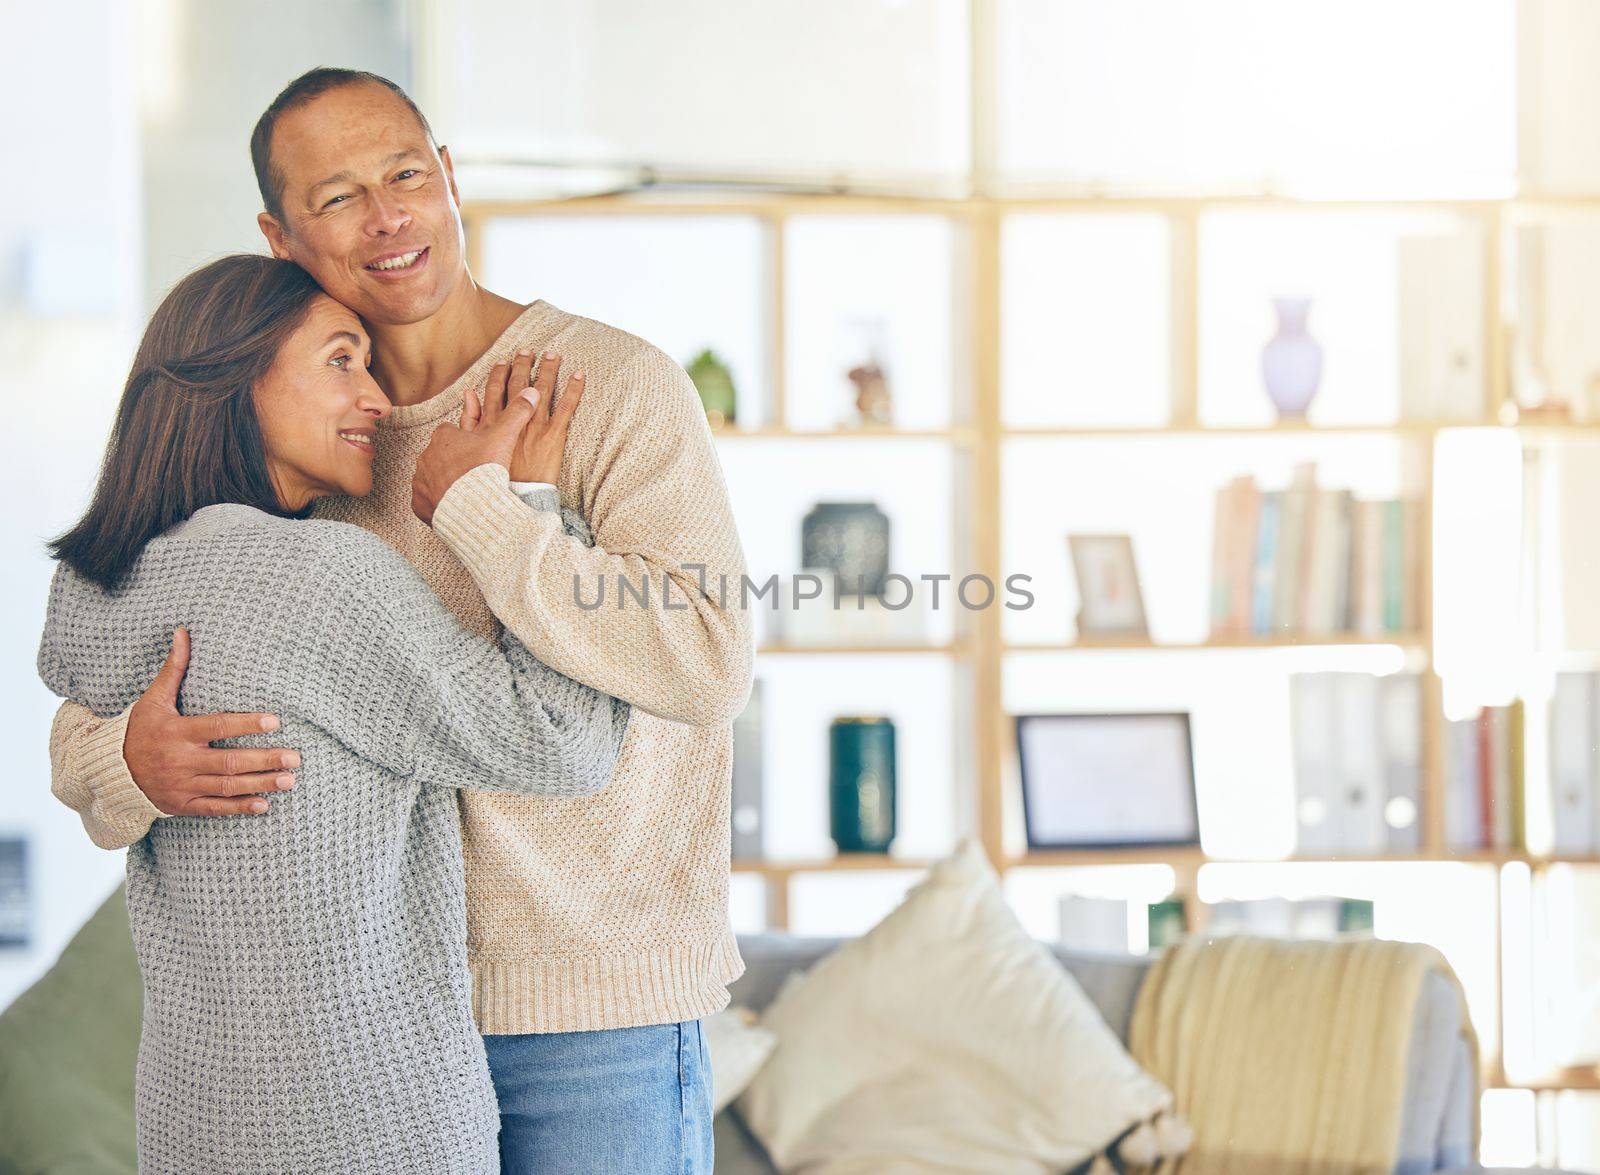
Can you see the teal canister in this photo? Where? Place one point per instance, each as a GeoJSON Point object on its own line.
{"type": "Point", "coordinates": [861, 784]}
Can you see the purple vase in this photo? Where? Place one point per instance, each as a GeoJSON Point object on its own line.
{"type": "Point", "coordinates": [1291, 362]}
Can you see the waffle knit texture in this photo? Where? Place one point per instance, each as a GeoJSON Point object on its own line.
{"type": "Point", "coordinates": [1285, 1056]}
{"type": "Point", "coordinates": [307, 1001]}
{"type": "Point", "coordinates": [582, 914]}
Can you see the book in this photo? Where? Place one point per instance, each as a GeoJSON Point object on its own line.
{"type": "Point", "coordinates": [1463, 794]}
{"type": "Point", "coordinates": [1263, 580]}
{"type": "Point", "coordinates": [1516, 778]}
{"type": "Point", "coordinates": [748, 802]}
{"type": "Point", "coordinates": [1327, 561]}
{"type": "Point", "coordinates": [1413, 567]}
{"type": "Point", "coordinates": [1246, 525]}
{"type": "Point", "coordinates": [1223, 539]}
{"type": "Point", "coordinates": [1366, 575]}
{"type": "Point", "coordinates": [1315, 561]}
{"type": "Point", "coordinates": [1494, 778]}
{"type": "Point", "coordinates": [1394, 561]}
{"type": "Point", "coordinates": [1290, 563]}
{"type": "Point", "coordinates": [1572, 764]}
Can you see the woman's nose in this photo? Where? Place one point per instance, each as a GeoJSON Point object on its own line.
{"type": "Point", "coordinates": [373, 401]}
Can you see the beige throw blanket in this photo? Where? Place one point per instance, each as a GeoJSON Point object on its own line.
{"type": "Point", "coordinates": [1285, 1056]}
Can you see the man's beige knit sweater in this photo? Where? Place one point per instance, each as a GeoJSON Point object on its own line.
{"type": "Point", "coordinates": [607, 911]}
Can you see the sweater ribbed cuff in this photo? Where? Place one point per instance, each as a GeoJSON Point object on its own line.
{"type": "Point", "coordinates": [479, 514]}
{"type": "Point", "coordinates": [116, 804]}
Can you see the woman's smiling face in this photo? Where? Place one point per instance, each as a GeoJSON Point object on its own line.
{"type": "Point", "coordinates": [319, 408]}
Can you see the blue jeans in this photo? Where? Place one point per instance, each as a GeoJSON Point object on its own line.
{"type": "Point", "coordinates": [634, 1100]}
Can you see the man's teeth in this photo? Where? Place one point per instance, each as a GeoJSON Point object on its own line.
{"type": "Point", "coordinates": [400, 262]}
{"type": "Point", "coordinates": [357, 437]}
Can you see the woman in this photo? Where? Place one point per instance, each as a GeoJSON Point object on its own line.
{"type": "Point", "coordinates": [307, 1006]}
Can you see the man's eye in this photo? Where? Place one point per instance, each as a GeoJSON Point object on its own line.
{"type": "Point", "coordinates": [335, 200]}
{"type": "Point", "coordinates": [342, 362]}
{"type": "Point", "coordinates": [407, 173]}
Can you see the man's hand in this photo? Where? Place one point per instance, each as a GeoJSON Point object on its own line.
{"type": "Point", "coordinates": [171, 758]}
{"type": "Point", "coordinates": [511, 424]}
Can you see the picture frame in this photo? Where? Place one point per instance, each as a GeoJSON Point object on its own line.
{"type": "Point", "coordinates": [1107, 781]}
{"type": "Point", "coordinates": [1110, 602]}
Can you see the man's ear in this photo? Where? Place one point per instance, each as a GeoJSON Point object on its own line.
{"type": "Point", "coordinates": [450, 175]}
{"type": "Point", "coordinates": [273, 231]}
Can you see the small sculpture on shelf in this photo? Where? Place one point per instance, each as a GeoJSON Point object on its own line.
{"type": "Point", "coordinates": [861, 784]}
{"type": "Point", "coordinates": [714, 382]}
{"type": "Point", "coordinates": [851, 539]}
{"type": "Point", "coordinates": [1291, 362]}
{"type": "Point", "coordinates": [874, 405]}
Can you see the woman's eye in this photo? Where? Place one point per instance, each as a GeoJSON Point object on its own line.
{"type": "Point", "coordinates": [342, 362]}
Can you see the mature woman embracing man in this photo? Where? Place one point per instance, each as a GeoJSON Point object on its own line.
{"type": "Point", "coordinates": [427, 864]}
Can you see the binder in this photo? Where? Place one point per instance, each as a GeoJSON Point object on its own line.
{"type": "Point", "coordinates": [1463, 804]}
{"type": "Point", "coordinates": [748, 785]}
{"type": "Point", "coordinates": [1400, 698]}
{"type": "Point", "coordinates": [1312, 714]}
{"type": "Point", "coordinates": [1572, 764]}
{"type": "Point", "coordinates": [1360, 787]}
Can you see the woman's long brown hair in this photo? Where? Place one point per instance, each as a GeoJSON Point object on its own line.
{"type": "Point", "coordinates": [186, 433]}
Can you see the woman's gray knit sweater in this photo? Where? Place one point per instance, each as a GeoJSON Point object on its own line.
{"type": "Point", "coordinates": [307, 1006]}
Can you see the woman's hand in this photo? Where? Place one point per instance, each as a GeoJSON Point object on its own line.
{"type": "Point", "coordinates": [543, 442]}
{"type": "Point", "coordinates": [511, 424]}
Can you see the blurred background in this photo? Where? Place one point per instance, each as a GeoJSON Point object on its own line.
{"type": "Point", "coordinates": [1254, 334]}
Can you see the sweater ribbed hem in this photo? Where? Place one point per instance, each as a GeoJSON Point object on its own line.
{"type": "Point", "coordinates": [122, 812]}
{"type": "Point", "coordinates": [687, 982]}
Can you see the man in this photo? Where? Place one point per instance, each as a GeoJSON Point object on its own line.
{"type": "Point", "coordinates": [597, 928]}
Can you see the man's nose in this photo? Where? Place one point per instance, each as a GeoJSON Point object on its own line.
{"type": "Point", "coordinates": [387, 216]}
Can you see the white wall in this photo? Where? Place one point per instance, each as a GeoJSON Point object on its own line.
{"type": "Point", "coordinates": [69, 246]}
{"type": "Point", "coordinates": [209, 71]}
{"type": "Point", "coordinates": [128, 127]}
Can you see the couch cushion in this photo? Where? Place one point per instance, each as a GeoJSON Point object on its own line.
{"type": "Point", "coordinates": [738, 1047]}
{"type": "Point", "coordinates": [946, 1035]}
{"type": "Point", "coordinates": [67, 1051]}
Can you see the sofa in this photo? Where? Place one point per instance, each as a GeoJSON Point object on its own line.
{"type": "Point", "coordinates": [67, 1047]}
{"type": "Point", "coordinates": [1440, 1085]}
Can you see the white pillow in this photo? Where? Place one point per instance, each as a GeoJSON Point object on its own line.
{"type": "Point", "coordinates": [738, 1047]}
{"type": "Point", "coordinates": [944, 1039]}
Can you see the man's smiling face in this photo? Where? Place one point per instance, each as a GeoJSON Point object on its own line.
{"type": "Point", "coordinates": [370, 207]}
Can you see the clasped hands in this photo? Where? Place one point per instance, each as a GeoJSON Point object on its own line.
{"type": "Point", "coordinates": [513, 422]}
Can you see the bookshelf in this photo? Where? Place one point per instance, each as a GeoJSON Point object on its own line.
{"type": "Point", "coordinates": [976, 440]}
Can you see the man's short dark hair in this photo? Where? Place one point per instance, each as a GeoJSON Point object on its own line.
{"type": "Point", "coordinates": [311, 84]}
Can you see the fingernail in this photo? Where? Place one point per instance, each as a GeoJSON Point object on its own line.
{"type": "Point", "coordinates": [577, 375]}
{"type": "Point", "coordinates": [258, 805]}
{"type": "Point", "coordinates": [285, 782]}
{"type": "Point", "coordinates": [525, 352]}
{"type": "Point", "coordinates": [549, 354]}
{"type": "Point", "coordinates": [269, 722]}
{"type": "Point", "coordinates": [292, 759]}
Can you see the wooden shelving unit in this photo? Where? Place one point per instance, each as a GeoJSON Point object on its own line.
{"type": "Point", "coordinates": [977, 437]}
{"type": "Point", "coordinates": [1299, 641]}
